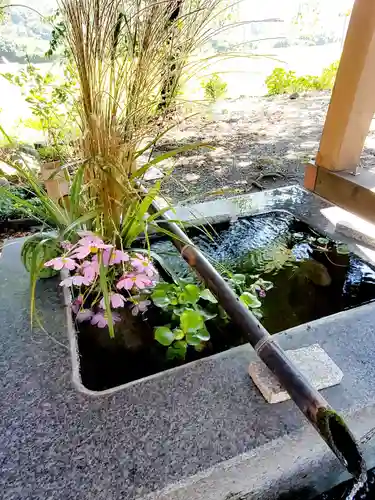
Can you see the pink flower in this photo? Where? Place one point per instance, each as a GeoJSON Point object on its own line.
{"type": "Point", "coordinates": [89, 244]}
{"type": "Point", "coordinates": [82, 252]}
{"type": "Point", "coordinates": [118, 256]}
{"type": "Point", "coordinates": [61, 263]}
{"type": "Point", "coordinates": [143, 265]}
{"type": "Point", "coordinates": [114, 256]}
{"type": "Point", "coordinates": [261, 292]}
{"type": "Point", "coordinates": [100, 319]}
{"type": "Point", "coordinates": [77, 304]}
{"type": "Point", "coordinates": [90, 238]}
{"type": "Point", "coordinates": [81, 314]}
{"type": "Point", "coordinates": [90, 270]}
{"type": "Point", "coordinates": [84, 315]}
{"type": "Point", "coordinates": [141, 306]}
{"type": "Point", "coordinates": [116, 300]}
{"type": "Point", "coordinates": [128, 281]}
{"type": "Point", "coordinates": [66, 245]}
{"type": "Point", "coordinates": [75, 280]}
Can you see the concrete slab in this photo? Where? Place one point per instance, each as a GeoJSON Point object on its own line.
{"type": "Point", "coordinates": [314, 363]}
{"type": "Point", "coordinates": [201, 431]}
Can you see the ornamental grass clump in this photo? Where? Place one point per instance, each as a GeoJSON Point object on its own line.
{"type": "Point", "coordinates": [121, 53]}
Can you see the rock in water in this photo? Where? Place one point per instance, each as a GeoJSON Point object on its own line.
{"type": "Point", "coordinates": [315, 272]}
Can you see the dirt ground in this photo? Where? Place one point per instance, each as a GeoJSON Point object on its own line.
{"type": "Point", "coordinates": [9, 235]}
{"type": "Point", "coordinates": [258, 143]}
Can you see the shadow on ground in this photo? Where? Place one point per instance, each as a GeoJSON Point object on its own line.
{"type": "Point", "coordinates": [256, 143]}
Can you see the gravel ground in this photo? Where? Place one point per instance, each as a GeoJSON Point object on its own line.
{"type": "Point", "coordinates": [9, 235]}
{"type": "Point", "coordinates": [258, 143]}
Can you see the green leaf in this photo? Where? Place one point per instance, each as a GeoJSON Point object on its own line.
{"type": "Point", "coordinates": [7, 137]}
{"type": "Point", "coordinates": [165, 287]}
{"type": "Point", "coordinates": [266, 285]}
{"type": "Point", "coordinates": [342, 249]}
{"type": "Point", "coordinates": [178, 334]}
{"type": "Point", "coordinates": [203, 334]}
{"type": "Point", "coordinates": [199, 347]}
{"type": "Point", "coordinates": [80, 221]}
{"type": "Point", "coordinates": [160, 299]}
{"type": "Point", "coordinates": [76, 193]}
{"type": "Point", "coordinates": [35, 268]}
{"type": "Point", "coordinates": [190, 295]}
{"type": "Point", "coordinates": [207, 315]}
{"type": "Point", "coordinates": [206, 294]}
{"type": "Point", "coordinates": [177, 350]}
{"type": "Point", "coordinates": [192, 339]}
{"type": "Point", "coordinates": [238, 279]}
{"type": "Point", "coordinates": [257, 313]}
{"type": "Point", "coordinates": [178, 310]}
{"type": "Point", "coordinates": [222, 313]}
{"type": "Point", "coordinates": [191, 320]}
{"type": "Point", "coordinates": [161, 261]}
{"type": "Point", "coordinates": [156, 138]}
{"type": "Point", "coordinates": [188, 147]}
{"type": "Point", "coordinates": [250, 300]}
{"type": "Point", "coordinates": [164, 335]}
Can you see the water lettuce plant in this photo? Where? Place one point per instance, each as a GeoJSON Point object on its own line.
{"type": "Point", "coordinates": [183, 302]}
{"type": "Point", "coordinates": [189, 306]}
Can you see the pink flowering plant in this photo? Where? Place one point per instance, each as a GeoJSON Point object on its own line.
{"type": "Point", "coordinates": [105, 279]}
{"type": "Point", "coordinates": [250, 291]}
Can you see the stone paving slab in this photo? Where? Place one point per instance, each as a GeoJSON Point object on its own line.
{"type": "Point", "coordinates": [312, 361]}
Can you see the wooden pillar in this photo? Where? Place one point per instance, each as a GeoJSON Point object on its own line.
{"type": "Point", "coordinates": [348, 121]}
{"type": "Point", "coordinates": [352, 105]}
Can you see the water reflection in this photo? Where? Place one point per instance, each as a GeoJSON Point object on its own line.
{"type": "Point", "coordinates": [313, 276]}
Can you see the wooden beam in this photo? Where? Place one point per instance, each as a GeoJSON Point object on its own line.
{"type": "Point", "coordinates": [352, 104]}
{"type": "Point", "coordinates": [355, 193]}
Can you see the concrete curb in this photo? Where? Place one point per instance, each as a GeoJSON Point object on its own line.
{"type": "Point", "coordinates": [294, 466]}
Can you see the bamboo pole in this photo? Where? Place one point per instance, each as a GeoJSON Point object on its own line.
{"type": "Point", "coordinates": [316, 409]}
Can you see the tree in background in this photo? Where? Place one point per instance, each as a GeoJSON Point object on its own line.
{"type": "Point", "coordinates": [24, 31]}
{"type": "Point", "coordinates": [3, 10]}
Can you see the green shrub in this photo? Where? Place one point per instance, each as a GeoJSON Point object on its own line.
{"type": "Point", "coordinates": [281, 81]}
{"type": "Point", "coordinates": [10, 209]}
{"type": "Point", "coordinates": [53, 153]}
{"type": "Point", "coordinates": [327, 78]}
{"type": "Point", "coordinates": [50, 102]}
{"type": "Point", "coordinates": [214, 88]}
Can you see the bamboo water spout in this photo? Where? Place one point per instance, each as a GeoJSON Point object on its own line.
{"type": "Point", "coordinates": [316, 409]}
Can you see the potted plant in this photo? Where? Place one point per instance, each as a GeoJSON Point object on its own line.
{"type": "Point", "coordinates": [54, 177]}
